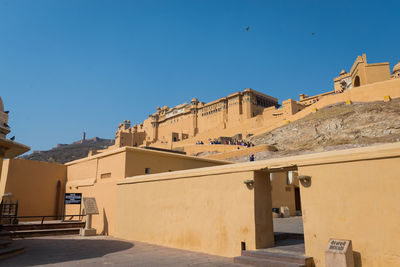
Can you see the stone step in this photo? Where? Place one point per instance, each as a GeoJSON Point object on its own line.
{"type": "Point", "coordinates": [277, 255]}
{"type": "Point", "coordinates": [10, 251]}
{"type": "Point", "coordinates": [5, 235]}
{"type": "Point", "coordinates": [47, 232]}
{"type": "Point", "coordinates": [4, 243]}
{"type": "Point", "coordinates": [39, 226]}
{"type": "Point", "coordinates": [265, 262]}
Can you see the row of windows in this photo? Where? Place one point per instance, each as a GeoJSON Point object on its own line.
{"type": "Point", "coordinates": [211, 112]}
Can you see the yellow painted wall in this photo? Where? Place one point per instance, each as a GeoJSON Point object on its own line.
{"type": "Point", "coordinates": [136, 162]}
{"type": "Point", "coordinates": [353, 195]}
{"type": "Point", "coordinates": [97, 176]}
{"type": "Point", "coordinates": [355, 199]}
{"type": "Point", "coordinates": [34, 185]}
{"type": "Point", "coordinates": [377, 72]}
{"type": "Point", "coordinates": [212, 213]}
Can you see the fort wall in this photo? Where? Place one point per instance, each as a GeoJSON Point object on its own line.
{"type": "Point", "coordinates": [212, 210]}
{"type": "Point", "coordinates": [205, 211]}
{"type": "Point", "coordinates": [96, 176]}
{"type": "Point", "coordinates": [38, 186]}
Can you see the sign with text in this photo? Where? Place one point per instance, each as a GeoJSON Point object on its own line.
{"type": "Point", "coordinates": [73, 198]}
{"type": "Point", "coordinates": [339, 253]}
{"type": "Point", "coordinates": [338, 245]}
{"type": "Point", "coordinates": [90, 206]}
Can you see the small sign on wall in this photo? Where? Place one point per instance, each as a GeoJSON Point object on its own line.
{"type": "Point", "coordinates": [90, 206]}
{"type": "Point", "coordinates": [73, 198]}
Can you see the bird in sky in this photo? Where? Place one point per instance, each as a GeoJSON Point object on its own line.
{"type": "Point", "coordinates": [12, 138]}
{"type": "Point", "coordinates": [248, 28]}
{"type": "Point", "coordinates": [313, 33]}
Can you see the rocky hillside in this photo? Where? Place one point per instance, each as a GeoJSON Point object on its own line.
{"type": "Point", "coordinates": [337, 126]}
{"type": "Point", "coordinates": [68, 152]}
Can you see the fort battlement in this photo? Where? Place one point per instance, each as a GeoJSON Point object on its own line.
{"type": "Point", "coordinates": [253, 112]}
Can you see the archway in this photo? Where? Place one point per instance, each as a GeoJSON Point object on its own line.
{"type": "Point", "coordinates": [357, 81]}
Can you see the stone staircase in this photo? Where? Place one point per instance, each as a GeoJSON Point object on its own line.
{"type": "Point", "coordinates": [273, 258]}
{"type": "Point", "coordinates": [289, 251]}
{"type": "Point", "coordinates": [34, 229]}
{"type": "Point", "coordinates": [7, 248]}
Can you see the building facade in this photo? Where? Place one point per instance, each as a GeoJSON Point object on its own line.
{"type": "Point", "coordinates": [239, 111]}
{"type": "Point", "coordinates": [188, 120]}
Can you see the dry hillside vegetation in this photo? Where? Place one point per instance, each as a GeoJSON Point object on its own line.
{"type": "Point", "coordinates": [68, 152]}
{"type": "Point", "coordinates": [337, 126]}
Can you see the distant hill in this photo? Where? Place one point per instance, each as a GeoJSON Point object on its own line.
{"type": "Point", "coordinates": [68, 152]}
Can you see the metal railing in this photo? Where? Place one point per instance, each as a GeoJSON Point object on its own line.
{"type": "Point", "coordinates": [9, 210]}
{"type": "Point", "coordinates": [15, 219]}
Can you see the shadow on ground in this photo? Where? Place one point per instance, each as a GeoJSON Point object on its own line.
{"type": "Point", "coordinates": [41, 251]}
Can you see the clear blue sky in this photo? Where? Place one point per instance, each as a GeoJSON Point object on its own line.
{"type": "Point", "coordinates": [73, 66]}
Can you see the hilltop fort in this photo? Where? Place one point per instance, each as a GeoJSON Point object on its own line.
{"type": "Point", "coordinates": [250, 112]}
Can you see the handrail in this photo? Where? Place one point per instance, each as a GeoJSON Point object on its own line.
{"type": "Point", "coordinates": [41, 216]}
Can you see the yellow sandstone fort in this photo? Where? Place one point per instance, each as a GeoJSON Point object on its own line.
{"type": "Point", "coordinates": [145, 193]}
{"type": "Point", "coordinates": [251, 112]}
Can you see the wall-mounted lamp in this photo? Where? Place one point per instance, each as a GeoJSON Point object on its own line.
{"type": "Point", "coordinates": [249, 183]}
{"type": "Point", "coordinates": [305, 180]}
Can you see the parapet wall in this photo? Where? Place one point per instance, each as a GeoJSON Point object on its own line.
{"type": "Point", "coordinates": [352, 194]}
{"type": "Point", "coordinates": [242, 151]}
{"type": "Point", "coordinates": [37, 186]}
{"type": "Point", "coordinates": [354, 198]}
{"type": "Point", "coordinates": [203, 210]}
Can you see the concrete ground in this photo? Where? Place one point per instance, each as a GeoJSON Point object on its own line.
{"type": "Point", "coordinates": [102, 250]}
{"type": "Point", "coordinates": [289, 225]}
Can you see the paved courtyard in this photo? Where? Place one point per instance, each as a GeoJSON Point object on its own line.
{"type": "Point", "coordinates": [101, 250]}
{"type": "Point", "coordinates": [289, 225]}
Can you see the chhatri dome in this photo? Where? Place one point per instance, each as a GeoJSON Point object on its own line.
{"type": "Point", "coordinates": [396, 68]}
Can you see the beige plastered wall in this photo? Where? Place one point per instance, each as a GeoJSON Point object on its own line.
{"type": "Point", "coordinates": [355, 200]}
{"type": "Point", "coordinates": [353, 195]}
{"type": "Point", "coordinates": [96, 177]}
{"type": "Point", "coordinates": [199, 211]}
{"type": "Point", "coordinates": [34, 185]}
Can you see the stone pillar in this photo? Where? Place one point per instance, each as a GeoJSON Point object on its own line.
{"type": "Point", "coordinates": [247, 102]}
{"type": "Point", "coordinates": [195, 120]}
{"type": "Point", "coordinates": [224, 112]}
{"type": "Point", "coordinates": [154, 123]}
{"type": "Point", "coordinates": [194, 112]}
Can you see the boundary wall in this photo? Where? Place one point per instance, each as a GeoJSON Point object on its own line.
{"type": "Point", "coordinates": [352, 194]}
{"type": "Point", "coordinates": [203, 210]}
{"type": "Point", "coordinates": [96, 176]}
{"type": "Point", "coordinates": [38, 186]}
{"type": "Point", "coordinates": [242, 151]}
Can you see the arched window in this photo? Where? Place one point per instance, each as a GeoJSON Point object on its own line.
{"type": "Point", "coordinates": [357, 81]}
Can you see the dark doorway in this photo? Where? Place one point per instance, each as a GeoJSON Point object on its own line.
{"type": "Point", "coordinates": [357, 81]}
{"type": "Point", "coordinates": [297, 198]}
